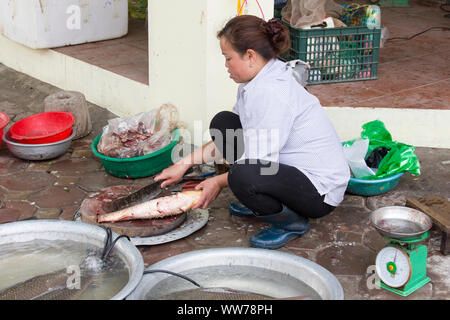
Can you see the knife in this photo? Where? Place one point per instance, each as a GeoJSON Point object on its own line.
{"type": "Point", "coordinates": [147, 192]}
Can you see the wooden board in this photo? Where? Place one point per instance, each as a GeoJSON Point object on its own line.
{"type": "Point", "coordinates": [99, 204]}
{"type": "Point", "coordinates": [438, 209]}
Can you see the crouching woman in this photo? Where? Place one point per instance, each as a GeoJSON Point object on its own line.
{"type": "Point", "coordinates": [287, 163]}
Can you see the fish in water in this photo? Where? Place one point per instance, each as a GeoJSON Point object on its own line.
{"type": "Point", "coordinates": [66, 293]}
{"type": "Point", "coordinates": [35, 286]}
{"type": "Point", "coordinates": [156, 208]}
{"type": "Point", "coordinates": [54, 285]}
{"type": "Point", "coordinates": [221, 294]}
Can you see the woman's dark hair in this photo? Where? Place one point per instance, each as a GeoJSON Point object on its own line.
{"type": "Point", "coordinates": [245, 32]}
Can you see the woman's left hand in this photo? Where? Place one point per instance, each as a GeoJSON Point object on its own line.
{"type": "Point", "coordinates": [210, 190]}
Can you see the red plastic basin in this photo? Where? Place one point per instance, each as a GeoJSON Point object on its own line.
{"type": "Point", "coordinates": [46, 127]}
{"type": "Point", "coordinates": [4, 120]}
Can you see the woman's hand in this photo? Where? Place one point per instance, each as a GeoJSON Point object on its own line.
{"type": "Point", "coordinates": [210, 190]}
{"type": "Point", "coordinates": [172, 174]}
{"type": "Point", "coordinates": [175, 173]}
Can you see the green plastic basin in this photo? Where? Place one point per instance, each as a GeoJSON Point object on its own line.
{"type": "Point", "coordinates": [363, 187]}
{"type": "Point", "coordinates": [137, 167]}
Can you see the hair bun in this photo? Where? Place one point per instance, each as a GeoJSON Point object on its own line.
{"type": "Point", "coordinates": [278, 34]}
{"type": "Point", "coordinates": [273, 26]}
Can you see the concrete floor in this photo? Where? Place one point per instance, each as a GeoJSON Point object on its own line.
{"type": "Point", "coordinates": [343, 242]}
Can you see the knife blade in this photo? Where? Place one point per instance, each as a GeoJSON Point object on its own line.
{"type": "Point", "coordinates": [146, 193]}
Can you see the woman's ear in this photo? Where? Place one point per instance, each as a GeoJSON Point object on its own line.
{"type": "Point", "coordinates": [251, 54]}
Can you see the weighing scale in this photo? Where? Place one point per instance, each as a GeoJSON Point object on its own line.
{"type": "Point", "coordinates": [402, 264]}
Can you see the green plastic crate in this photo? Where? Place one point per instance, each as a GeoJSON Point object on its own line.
{"type": "Point", "coordinates": [391, 3]}
{"type": "Point", "coordinates": [336, 54]}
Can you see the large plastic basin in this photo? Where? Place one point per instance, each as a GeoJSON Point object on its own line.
{"type": "Point", "coordinates": [137, 167]}
{"type": "Point", "coordinates": [364, 187]}
{"type": "Point", "coordinates": [45, 127]}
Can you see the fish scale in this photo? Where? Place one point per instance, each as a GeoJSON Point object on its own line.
{"type": "Point", "coordinates": [64, 293]}
{"type": "Point", "coordinates": [35, 286]}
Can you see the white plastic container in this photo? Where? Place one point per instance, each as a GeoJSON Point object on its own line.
{"type": "Point", "coordinates": [42, 24]}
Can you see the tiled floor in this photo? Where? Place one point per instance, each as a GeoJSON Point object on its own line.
{"type": "Point", "coordinates": [412, 74]}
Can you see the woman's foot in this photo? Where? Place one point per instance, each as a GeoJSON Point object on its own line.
{"type": "Point", "coordinates": [286, 226]}
{"type": "Point", "coordinates": [238, 209]}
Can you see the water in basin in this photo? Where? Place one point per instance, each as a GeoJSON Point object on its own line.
{"type": "Point", "coordinates": [22, 261]}
{"type": "Point", "coordinates": [273, 284]}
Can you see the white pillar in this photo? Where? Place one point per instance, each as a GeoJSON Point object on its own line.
{"type": "Point", "coordinates": [186, 66]}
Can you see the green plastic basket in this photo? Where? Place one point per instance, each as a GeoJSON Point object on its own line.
{"type": "Point", "coordinates": [137, 167]}
{"type": "Point", "coordinates": [336, 54]}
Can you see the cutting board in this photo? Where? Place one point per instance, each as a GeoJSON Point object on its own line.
{"type": "Point", "coordinates": [98, 203]}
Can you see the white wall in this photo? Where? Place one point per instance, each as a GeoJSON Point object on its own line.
{"type": "Point", "coordinates": [417, 127]}
{"type": "Point", "coordinates": [186, 64]}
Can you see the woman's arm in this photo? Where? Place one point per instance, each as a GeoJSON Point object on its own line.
{"type": "Point", "coordinates": [207, 153]}
{"type": "Point", "coordinates": [175, 173]}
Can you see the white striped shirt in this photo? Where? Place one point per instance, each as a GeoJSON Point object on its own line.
{"type": "Point", "coordinates": [282, 122]}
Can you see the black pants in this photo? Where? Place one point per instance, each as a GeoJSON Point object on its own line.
{"type": "Point", "coordinates": [264, 194]}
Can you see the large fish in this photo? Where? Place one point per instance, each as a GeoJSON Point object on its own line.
{"type": "Point", "coordinates": [222, 294]}
{"type": "Point", "coordinates": [156, 208]}
{"type": "Point", "coordinates": [66, 293]}
{"type": "Point", "coordinates": [54, 285]}
{"type": "Point", "coordinates": [35, 286]}
{"type": "Point", "coordinates": [50, 286]}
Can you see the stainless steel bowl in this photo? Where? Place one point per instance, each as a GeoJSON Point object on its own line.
{"type": "Point", "coordinates": [400, 222]}
{"type": "Point", "coordinates": [272, 273]}
{"type": "Point", "coordinates": [28, 231]}
{"type": "Point", "coordinates": [37, 151]}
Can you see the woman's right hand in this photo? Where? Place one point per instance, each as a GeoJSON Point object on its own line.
{"type": "Point", "coordinates": [172, 174]}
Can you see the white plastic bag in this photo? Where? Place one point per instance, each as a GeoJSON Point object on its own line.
{"type": "Point", "coordinates": [140, 134]}
{"type": "Point", "coordinates": [300, 70]}
{"type": "Point", "coordinates": [355, 155]}
{"type": "Point", "coordinates": [299, 13]}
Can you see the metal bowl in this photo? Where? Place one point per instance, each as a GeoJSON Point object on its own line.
{"type": "Point", "coordinates": [37, 151]}
{"type": "Point", "coordinates": [272, 273]}
{"type": "Point", "coordinates": [400, 222]}
{"type": "Point", "coordinates": [29, 231]}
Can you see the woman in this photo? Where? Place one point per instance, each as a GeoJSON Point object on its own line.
{"type": "Point", "coordinates": [287, 160]}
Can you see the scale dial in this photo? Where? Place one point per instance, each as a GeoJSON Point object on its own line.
{"type": "Point", "coordinates": [393, 267]}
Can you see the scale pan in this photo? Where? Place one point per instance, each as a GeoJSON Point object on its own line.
{"type": "Point", "coordinates": [400, 222]}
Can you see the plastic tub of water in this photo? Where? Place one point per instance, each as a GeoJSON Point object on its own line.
{"type": "Point", "coordinates": [275, 274]}
{"type": "Point", "coordinates": [31, 249]}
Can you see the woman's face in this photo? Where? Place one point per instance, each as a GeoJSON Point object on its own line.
{"type": "Point", "coordinates": [239, 68]}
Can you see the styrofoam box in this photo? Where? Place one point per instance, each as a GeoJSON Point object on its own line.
{"type": "Point", "coordinates": [55, 23]}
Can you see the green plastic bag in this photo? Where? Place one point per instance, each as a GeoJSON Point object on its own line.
{"type": "Point", "coordinates": [400, 158]}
